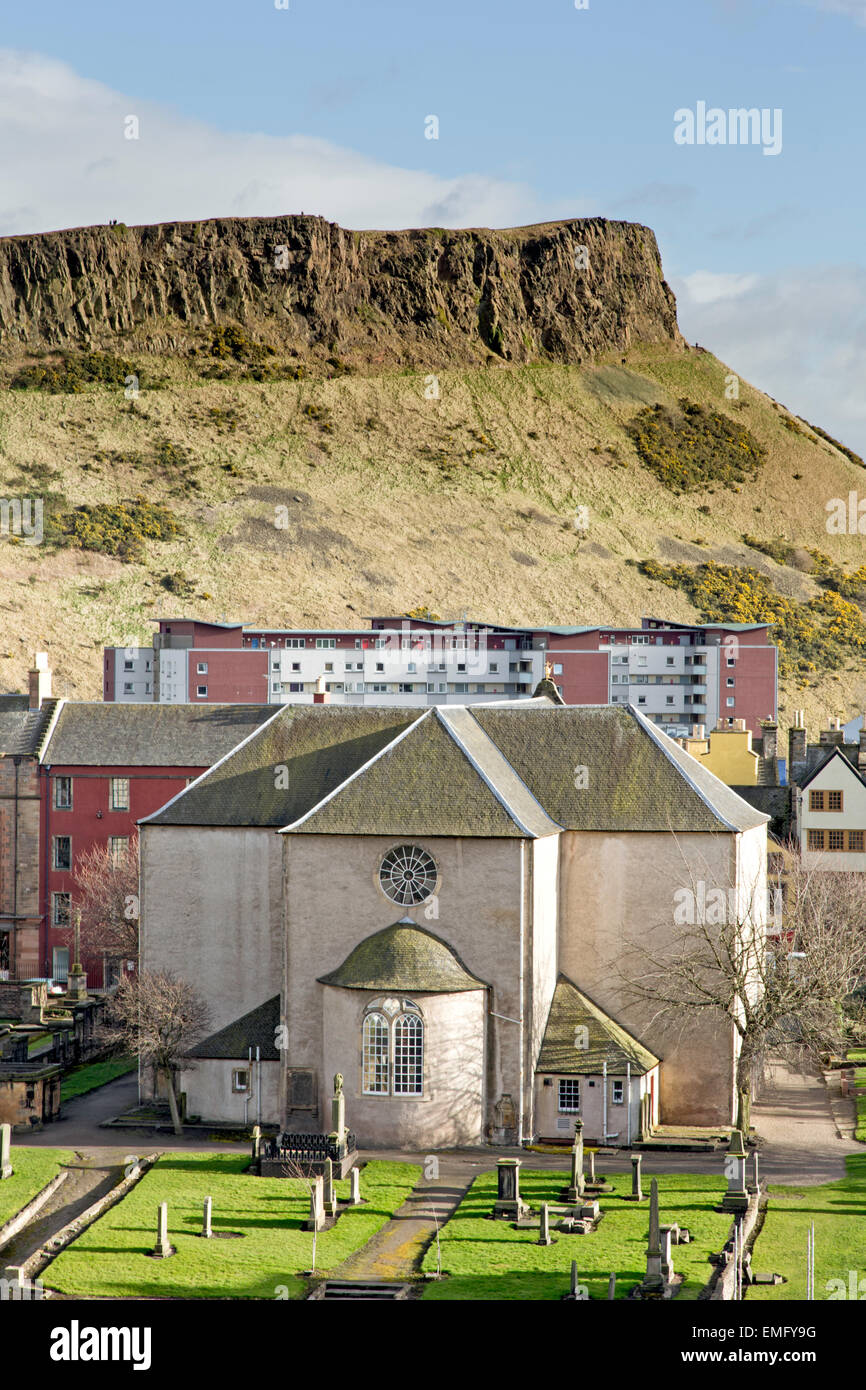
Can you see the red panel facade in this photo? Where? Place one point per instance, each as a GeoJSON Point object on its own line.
{"type": "Point", "coordinates": [232, 677]}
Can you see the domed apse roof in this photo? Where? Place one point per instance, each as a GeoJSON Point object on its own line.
{"type": "Point", "coordinates": [403, 957]}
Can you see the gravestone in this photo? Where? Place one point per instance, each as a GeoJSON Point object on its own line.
{"type": "Point", "coordinates": [257, 1142]}
{"type": "Point", "coordinates": [355, 1178]}
{"type": "Point", "coordinates": [653, 1282]}
{"type": "Point", "coordinates": [207, 1226]}
{"type": "Point", "coordinates": [637, 1193]}
{"type": "Point", "coordinates": [545, 1237]}
{"type": "Point", "coordinates": [755, 1184]}
{"type": "Point", "coordinates": [338, 1109]}
{"type": "Point", "coordinates": [316, 1219]}
{"type": "Point", "coordinates": [666, 1240]}
{"type": "Point", "coordinates": [590, 1159]}
{"type": "Point", "coordinates": [574, 1191]}
{"type": "Point", "coordinates": [575, 1293]}
{"type": "Point", "coordinates": [163, 1248]}
{"type": "Point", "coordinates": [611, 1286]}
{"type": "Point", "coordinates": [736, 1199]}
{"type": "Point", "coordinates": [509, 1204]}
{"type": "Point", "coordinates": [5, 1151]}
{"type": "Point", "coordinates": [329, 1197]}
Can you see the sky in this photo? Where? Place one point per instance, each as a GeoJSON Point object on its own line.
{"type": "Point", "coordinates": [544, 109]}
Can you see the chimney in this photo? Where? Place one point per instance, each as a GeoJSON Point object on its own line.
{"type": "Point", "coordinates": [321, 696]}
{"type": "Point", "coordinates": [39, 681]}
{"type": "Point", "coordinates": [699, 731]}
{"type": "Point", "coordinates": [740, 726]}
{"type": "Point", "coordinates": [796, 741]}
{"type": "Point", "coordinates": [769, 738]}
{"type": "Point", "coordinates": [833, 734]}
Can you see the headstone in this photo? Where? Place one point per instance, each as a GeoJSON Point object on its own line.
{"type": "Point", "coordinates": [755, 1184]}
{"type": "Point", "coordinates": [163, 1248]}
{"type": "Point", "coordinates": [5, 1151]}
{"type": "Point", "coordinates": [574, 1191]}
{"type": "Point", "coordinates": [257, 1142]}
{"type": "Point", "coordinates": [316, 1218]}
{"type": "Point", "coordinates": [545, 1238]}
{"type": "Point", "coordinates": [509, 1203]}
{"type": "Point", "coordinates": [666, 1240]}
{"type": "Point", "coordinates": [637, 1193]}
{"type": "Point", "coordinates": [590, 1158]}
{"type": "Point", "coordinates": [338, 1109]}
{"type": "Point", "coordinates": [329, 1198]}
{"type": "Point", "coordinates": [611, 1286]}
{"type": "Point", "coordinates": [575, 1293]}
{"type": "Point", "coordinates": [736, 1199]}
{"type": "Point", "coordinates": [207, 1227]}
{"type": "Point", "coordinates": [355, 1179]}
{"type": "Point", "coordinates": [653, 1282]}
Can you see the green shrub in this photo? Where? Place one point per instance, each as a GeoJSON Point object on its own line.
{"type": "Point", "coordinates": [73, 372]}
{"type": "Point", "coordinates": [779, 550]}
{"type": "Point", "coordinates": [691, 447]}
{"type": "Point", "coordinates": [119, 529]}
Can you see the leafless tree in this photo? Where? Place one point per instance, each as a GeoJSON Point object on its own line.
{"type": "Point", "coordinates": [791, 983]}
{"type": "Point", "coordinates": [157, 1016]}
{"type": "Point", "coordinates": [106, 897]}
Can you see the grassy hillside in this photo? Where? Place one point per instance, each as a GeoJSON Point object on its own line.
{"type": "Point", "coordinates": [320, 500]}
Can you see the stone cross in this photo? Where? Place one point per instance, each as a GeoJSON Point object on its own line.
{"type": "Point", "coordinates": [355, 1178]}
{"type": "Point", "coordinates": [207, 1227]}
{"type": "Point", "coordinates": [329, 1198]}
{"type": "Point", "coordinates": [5, 1151]}
{"type": "Point", "coordinates": [636, 1189]}
{"type": "Point", "coordinates": [163, 1248]}
{"type": "Point", "coordinates": [653, 1280]}
{"type": "Point", "coordinates": [545, 1225]}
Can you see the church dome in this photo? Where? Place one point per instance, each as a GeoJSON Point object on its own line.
{"type": "Point", "coordinates": [403, 957]}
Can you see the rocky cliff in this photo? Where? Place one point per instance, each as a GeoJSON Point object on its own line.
{"type": "Point", "coordinates": [564, 291]}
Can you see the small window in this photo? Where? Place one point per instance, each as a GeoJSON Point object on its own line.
{"type": "Point", "coordinates": [730, 681]}
{"type": "Point", "coordinates": [855, 841]}
{"type": "Point", "coordinates": [380, 665]}
{"type": "Point", "coordinates": [569, 1096]}
{"type": "Point", "coordinates": [557, 668]}
{"type": "Point", "coordinates": [60, 909]}
{"type": "Point", "coordinates": [816, 839]}
{"type": "Point", "coordinates": [120, 793]}
{"type": "Point", "coordinates": [117, 849]}
{"type": "Point", "coordinates": [816, 801]}
{"type": "Point", "coordinates": [201, 691]}
{"type": "Point", "coordinates": [732, 661]}
{"type": "Point", "coordinates": [63, 793]}
{"type": "Point", "coordinates": [62, 852]}
{"type": "Point", "coordinates": [617, 1095]}
{"type": "Point", "coordinates": [494, 666]}
{"type": "Point", "coordinates": [835, 839]}
{"type": "Point", "coordinates": [129, 665]}
{"type": "Point", "coordinates": [326, 642]}
{"type": "Point", "coordinates": [296, 642]}
{"type": "Point", "coordinates": [128, 688]}
{"type": "Point", "coordinates": [641, 699]}
{"type": "Point", "coordinates": [295, 687]}
{"type": "Point", "coordinates": [240, 1080]}
{"type": "Point", "coordinates": [730, 702]}
{"type": "Point", "coordinates": [201, 668]}
{"type": "Point", "coordinates": [669, 661]}
{"type": "Point", "coordinates": [296, 665]}
{"type": "Point", "coordinates": [834, 801]}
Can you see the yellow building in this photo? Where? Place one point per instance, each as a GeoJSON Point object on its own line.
{"type": "Point", "coordinates": [727, 753]}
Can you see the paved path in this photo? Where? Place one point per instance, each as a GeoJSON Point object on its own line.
{"type": "Point", "coordinates": [91, 1176]}
{"type": "Point", "coordinates": [396, 1251]}
{"type": "Point", "coordinates": [795, 1123]}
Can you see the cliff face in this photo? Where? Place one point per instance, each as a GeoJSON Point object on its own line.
{"type": "Point", "coordinates": [563, 291]}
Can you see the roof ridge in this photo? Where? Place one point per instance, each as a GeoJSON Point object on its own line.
{"type": "Point", "coordinates": [445, 713]}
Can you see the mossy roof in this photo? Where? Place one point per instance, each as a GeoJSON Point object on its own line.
{"type": "Point", "coordinates": [404, 956]}
{"type": "Point", "coordinates": [258, 1028]}
{"type": "Point", "coordinates": [117, 735]}
{"type": "Point", "coordinates": [607, 1041]}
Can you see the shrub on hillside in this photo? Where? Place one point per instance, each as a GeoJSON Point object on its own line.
{"type": "Point", "coordinates": [690, 447]}
{"type": "Point", "coordinates": [119, 528]}
{"type": "Point", "coordinates": [73, 372]}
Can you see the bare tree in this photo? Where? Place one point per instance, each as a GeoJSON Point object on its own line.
{"type": "Point", "coordinates": [157, 1016]}
{"type": "Point", "coordinates": [106, 897]}
{"type": "Point", "coordinates": [792, 984]}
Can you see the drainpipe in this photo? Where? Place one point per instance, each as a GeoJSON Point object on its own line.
{"type": "Point", "coordinates": [628, 1103]}
{"type": "Point", "coordinates": [604, 1103]}
{"type": "Point", "coordinates": [521, 987]}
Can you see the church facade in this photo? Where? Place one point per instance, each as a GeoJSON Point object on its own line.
{"type": "Point", "coordinates": [446, 908]}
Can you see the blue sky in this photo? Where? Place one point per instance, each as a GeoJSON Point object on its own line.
{"type": "Point", "coordinates": [544, 111]}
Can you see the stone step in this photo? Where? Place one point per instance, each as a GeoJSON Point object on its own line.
{"type": "Point", "coordinates": [344, 1289]}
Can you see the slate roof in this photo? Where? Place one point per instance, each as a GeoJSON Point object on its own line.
{"type": "Point", "coordinates": [404, 956]}
{"type": "Point", "coordinates": [504, 769]}
{"type": "Point", "coordinates": [318, 746]}
{"type": "Point", "coordinates": [607, 1040]}
{"type": "Point", "coordinates": [22, 729]}
{"type": "Point", "coordinates": [113, 735]}
{"type": "Point", "coordinates": [258, 1028]}
{"type": "Point", "coordinates": [636, 777]}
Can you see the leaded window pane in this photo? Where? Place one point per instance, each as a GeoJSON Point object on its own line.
{"type": "Point", "coordinates": [375, 1055]}
{"type": "Point", "coordinates": [408, 1055]}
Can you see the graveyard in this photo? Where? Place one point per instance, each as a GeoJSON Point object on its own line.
{"type": "Point", "coordinates": [838, 1210]}
{"type": "Point", "coordinates": [266, 1217]}
{"type": "Point", "coordinates": [32, 1169]}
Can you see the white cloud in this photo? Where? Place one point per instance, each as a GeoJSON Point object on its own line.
{"type": "Point", "coordinates": [67, 163]}
{"type": "Point", "coordinates": [799, 335]}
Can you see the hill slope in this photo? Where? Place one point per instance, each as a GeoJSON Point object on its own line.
{"type": "Point", "coordinates": [448, 473]}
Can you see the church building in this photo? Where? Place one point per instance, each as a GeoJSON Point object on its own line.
{"type": "Point", "coordinates": [446, 907]}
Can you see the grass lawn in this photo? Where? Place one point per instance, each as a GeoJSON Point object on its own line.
{"type": "Point", "coordinates": [110, 1259]}
{"type": "Point", "coordinates": [90, 1075]}
{"type": "Point", "coordinates": [838, 1210]}
{"type": "Point", "coordinates": [33, 1168]}
{"type": "Point", "coordinates": [859, 1055]}
{"type": "Point", "coordinates": [488, 1260]}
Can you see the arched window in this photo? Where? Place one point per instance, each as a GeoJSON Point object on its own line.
{"type": "Point", "coordinates": [376, 1051]}
{"type": "Point", "coordinates": [393, 1049]}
